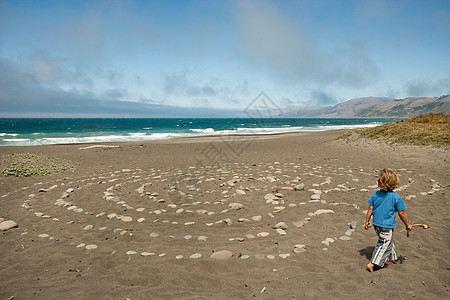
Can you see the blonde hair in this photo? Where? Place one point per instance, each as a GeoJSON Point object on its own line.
{"type": "Point", "coordinates": [388, 180]}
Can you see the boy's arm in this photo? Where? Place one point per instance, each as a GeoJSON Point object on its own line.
{"type": "Point", "coordinates": [368, 215]}
{"type": "Point", "coordinates": [404, 219]}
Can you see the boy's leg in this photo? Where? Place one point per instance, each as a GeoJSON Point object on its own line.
{"type": "Point", "coordinates": [384, 246]}
{"type": "Point", "coordinates": [393, 256]}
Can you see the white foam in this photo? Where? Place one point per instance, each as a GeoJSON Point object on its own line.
{"type": "Point", "coordinates": [207, 130]}
{"type": "Point", "coordinates": [9, 134]}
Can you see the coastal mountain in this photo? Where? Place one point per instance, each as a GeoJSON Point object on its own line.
{"type": "Point", "coordinates": [378, 107]}
{"type": "Point", "coordinates": [407, 108]}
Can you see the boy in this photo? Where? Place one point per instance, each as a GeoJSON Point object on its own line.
{"type": "Point", "coordinates": [383, 205]}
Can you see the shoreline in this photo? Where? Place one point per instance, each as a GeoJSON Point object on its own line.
{"type": "Point", "coordinates": [180, 210]}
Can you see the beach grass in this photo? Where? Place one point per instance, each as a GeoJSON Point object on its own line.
{"type": "Point", "coordinates": [29, 164]}
{"type": "Point", "coordinates": [426, 130]}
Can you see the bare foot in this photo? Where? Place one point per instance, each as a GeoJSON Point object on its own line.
{"type": "Point", "coordinates": [369, 267]}
{"type": "Point", "coordinates": [389, 262]}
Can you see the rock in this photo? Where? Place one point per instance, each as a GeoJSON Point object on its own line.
{"type": "Point", "coordinates": [147, 254]}
{"type": "Point", "coordinates": [298, 250]}
{"type": "Point", "coordinates": [349, 232]}
{"type": "Point", "coordinates": [127, 219]}
{"type": "Point", "coordinates": [281, 231]}
{"type": "Point", "coordinates": [243, 220]}
{"type": "Point", "coordinates": [300, 246]}
{"type": "Point", "coordinates": [263, 234]}
{"type": "Point", "coordinates": [91, 247]}
{"type": "Point", "coordinates": [230, 183]}
{"type": "Point", "coordinates": [131, 252]}
{"type": "Point", "coordinates": [284, 255]}
{"type": "Point", "coordinates": [239, 239]}
{"type": "Point", "coordinates": [42, 190]}
{"type": "Point", "coordinates": [70, 190]}
{"type": "Point", "coordinates": [300, 187]}
{"type": "Point", "coordinates": [222, 255]}
{"type": "Point", "coordinates": [323, 211]}
{"type": "Point", "coordinates": [301, 223]}
{"type": "Point", "coordinates": [179, 211]}
{"type": "Point", "coordinates": [270, 256]}
{"type": "Point", "coordinates": [315, 197]}
{"type": "Point", "coordinates": [111, 215]}
{"type": "Point", "coordinates": [81, 245]}
{"type": "Point", "coordinates": [188, 237]}
{"type": "Point", "coordinates": [245, 256]}
{"type": "Point", "coordinates": [249, 236]}
{"type": "Point", "coordinates": [345, 238]}
{"type": "Point", "coordinates": [202, 211]}
{"type": "Point", "coordinates": [256, 218]}
{"type": "Point", "coordinates": [281, 225]}
{"type": "Point", "coordinates": [202, 238]}
{"type": "Point", "coordinates": [43, 235]}
{"type": "Point", "coordinates": [352, 224]}
{"type": "Point", "coordinates": [140, 220]}
{"type": "Point", "coordinates": [240, 192]}
{"type": "Point", "coordinates": [88, 227]}
{"type": "Point", "coordinates": [195, 255]}
{"type": "Point", "coordinates": [179, 256]}
{"type": "Point", "coordinates": [279, 195]}
{"type": "Point", "coordinates": [228, 221]}
{"type": "Point", "coordinates": [270, 197]}
{"type": "Point", "coordinates": [154, 234]}
{"type": "Point", "coordinates": [235, 206]}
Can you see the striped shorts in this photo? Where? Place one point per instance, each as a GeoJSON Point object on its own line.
{"type": "Point", "coordinates": [385, 247]}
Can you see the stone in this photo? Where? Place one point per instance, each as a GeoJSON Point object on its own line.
{"type": "Point", "coordinates": [195, 255]}
{"type": "Point", "coordinates": [352, 224]}
{"type": "Point", "coordinates": [349, 232]}
{"type": "Point", "coordinates": [147, 254]}
{"type": "Point", "coordinates": [300, 187]}
{"type": "Point", "coordinates": [240, 192]}
{"type": "Point", "coordinates": [202, 211]}
{"type": "Point", "coordinates": [127, 219]}
{"type": "Point", "coordinates": [179, 211]}
{"type": "Point", "coordinates": [315, 197]}
{"type": "Point", "coordinates": [187, 237]}
{"type": "Point", "coordinates": [179, 256]}
{"type": "Point", "coordinates": [280, 231]}
{"type": "Point", "coordinates": [279, 195]}
{"type": "Point", "coordinates": [91, 247]}
{"type": "Point", "coordinates": [140, 220]}
{"type": "Point", "coordinates": [154, 234]}
{"type": "Point", "coordinates": [345, 238]}
{"type": "Point", "coordinates": [263, 234]}
{"type": "Point", "coordinates": [5, 225]}
{"type": "Point", "coordinates": [81, 245]}
{"type": "Point", "coordinates": [43, 235]}
{"type": "Point", "coordinates": [243, 220]}
{"type": "Point", "coordinates": [281, 225]}
{"type": "Point", "coordinates": [222, 255]}
{"type": "Point", "coordinates": [270, 256]}
{"type": "Point", "coordinates": [249, 236]}
{"type": "Point", "coordinates": [88, 227]}
{"type": "Point", "coordinates": [256, 218]}
{"type": "Point", "coordinates": [245, 256]}
{"type": "Point", "coordinates": [202, 238]}
{"type": "Point", "coordinates": [131, 252]}
{"type": "Point", "coordinates": [284, 255]}
{"type": "Point", "coordinates": [111, 215]}
{"type": "Point", "coordinates": [70, 190]}
{"type": "Point", "coordinates": [235, 206]}
{"type": "Point", "coordinates": [301, 223]}
{"type": "Point", "coordinates": [228, 221]}
{"type": "Point", "coordinates": [323, 211]}
{"type": "Point", "coordinates": [270, 197]}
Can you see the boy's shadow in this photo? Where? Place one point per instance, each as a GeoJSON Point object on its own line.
{"type": "Point", "coordinates": [367, 252]}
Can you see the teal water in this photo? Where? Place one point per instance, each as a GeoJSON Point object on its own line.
{"type": "Point", "coordinates": [25, 132]}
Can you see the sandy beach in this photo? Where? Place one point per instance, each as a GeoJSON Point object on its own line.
{"type": "Point", "coordinates": [200, 218]}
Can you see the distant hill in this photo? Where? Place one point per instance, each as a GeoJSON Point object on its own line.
{"type": "Point", "coordinates": [407, 108]}
{"type": "Point", "coordinates": [378, 107]}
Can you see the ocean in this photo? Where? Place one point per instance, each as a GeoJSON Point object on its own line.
{"type": "Point", "coordinates": [27, 132]}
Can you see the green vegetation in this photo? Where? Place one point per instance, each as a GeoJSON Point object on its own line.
{"type": "Point", "coordinates": [430, 130]}
{"type": "Point", "coordinates": [28, 164]}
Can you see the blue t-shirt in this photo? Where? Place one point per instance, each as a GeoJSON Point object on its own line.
{"type": "Point", "coordinates": [385, 205]}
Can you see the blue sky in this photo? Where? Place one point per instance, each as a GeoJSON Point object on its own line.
{"type": "Point", "coordinates": [86, 58]}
